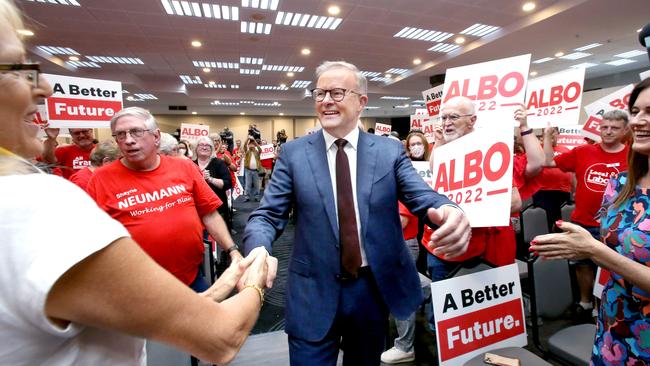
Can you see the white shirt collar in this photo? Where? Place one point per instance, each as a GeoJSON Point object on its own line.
{"type": "Point", "coordinates": [352, 138]}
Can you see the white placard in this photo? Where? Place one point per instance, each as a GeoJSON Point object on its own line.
{"type": "Point", "coordinates": [424, 169]}
{"type": "Point", "coordinates": [570, 136]}
{"type": "Point", "coordinates": [425, 124]}
{"type": "Point", "coordinates": [191, 132]}
{"type": "Point", "coordinates": [433, 99]}
{"type": "Point", "coordinates": [478, 312]}
{"type": "Point", "coordinates": [554, 100]}
{"type": "Point", "coordinates": [595, 111]}
{"type": "Point", "coordinates": [267, 152]}
{"type": "Point", "coordinates": [381, 129]}
{"type": "Point", "coordinates": [496, 87]}
{"type": "Point", "coordinates": [475, 171]}
{"type": "Point", "coordinates": [81, 102]}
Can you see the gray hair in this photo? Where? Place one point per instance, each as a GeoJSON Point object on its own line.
{"type": "Point", "coordinates": [10, 14]}
{"type": "Point", "coordinates": [205, 140]}
{"type": "Point", "coordinates": [137, 112]}
{"type": "Point", "coordinates": [362, 82]}
{"type": "Point", "coordinates": [168, 144]}
{"type": "Point", "coordinates": [465, 102]}
{"type": "Point", "coordinates": [617, 115]}
{"type": "Point", "coordinates": [105, 149]}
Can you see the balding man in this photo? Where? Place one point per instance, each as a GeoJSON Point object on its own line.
{"type": "Point", "coordinates": [71, 158]}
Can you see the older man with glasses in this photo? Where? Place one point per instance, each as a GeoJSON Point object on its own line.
{"type": "Point", "coordinates": [163, 201]}
{"type": "Point", "coordinates": [71, 158]}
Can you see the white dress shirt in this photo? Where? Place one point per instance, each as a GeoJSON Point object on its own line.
{"type": "Point", "coordinates": [351, 149]}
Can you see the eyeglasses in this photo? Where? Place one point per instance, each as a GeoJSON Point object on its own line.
{"type": "Point", "coordinates": [453, 117]}
{"type": "Point", "coordinates": [134, 132]}
{"type": "Point", "coordinates": [80, 132]}
{"type": "Point", "coordinates": [28, 72]}
{"type": "Point", "coordinates": [337, 94]}
{"type": "Point", "coordinates": [204, 145]}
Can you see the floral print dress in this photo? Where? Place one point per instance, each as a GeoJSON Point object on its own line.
{"type": "Point", "coordinates": [623, 326]}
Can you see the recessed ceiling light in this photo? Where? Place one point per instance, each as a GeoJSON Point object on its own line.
{"type": "Point", "coordinates": [300, 84]}
{"type": "Point", "coordinates": [197, 44]}
{"type": "Point", "coordinates": [629, 54]}
{"type": "Point", "coordinates": [116, 60]}
{"type": "Point", "coordinates": [249, 71]}
{"type": "Point", "coordinates": [242, 113]}
{"type": "Point", "coordinates": [290, 74]}
{"type": "Point", "coordinates": [271, 87]}
{"type": "Point", "coordinates": [422, 34]}
{"type": "Point", "coordinates": [282, 114]}
{"type": "Point", "coordinates": [58, 50]}
{"type": "Point", "coordinates": [619, 62]}
{"type": "Point", "coordinates": [305, 51]}
{"type": "Point", "coordinates": [206, 69]}
{"type": "Point", "coordinates": [146, 96]}
{"type": "Point", "coordinates": [200, 10]}
{"type": "Point", "coordinates": [216, 64]}
{"type": "Point", "coordinates": [25, 32]}
{"type": "Point", "coordinates": [575, 56]}
{"type": "Point", "coordinates": [255, 28]}
{"type": "Point", "coordinates": [559, 54]}
{"type": "Point", "coordinates": [533, 73]}
{"type": "Point", "coordinates": [588, 47]}
{"type": "Point", "coordinates": [333, 10]}
{"type": "Point", "coordinates": [480, 30]}
{"type": "Point", "coordinates": [388, 76]}
{"type": "Point", "coordinates": [639, 30]}
{"type": "Point", "coordinates": [60, 2]}
{"type": "Point", "coordinates": [307, 20]}
{"type": "Point", "coordinates": [283, 85]}
{"type": "Point", "coordinates": [83, 64]}
{"type": "Point", "coordinates": [443, 47]}
{"type": "Point", "coordinates": [397, 71]}
{"type": "Point", "coordinates": [417, 61]}
{"type": "Point", "coordinates": [394, 98]}
{"type": "Point", "coordinates": [542, 60]}
{"type": "Point", "coordinates": [264, 4]}
{"type": "Point", "coordinates": [73, 58]}
{"type": "Point", "coordinates": [193, 112]}
{"type": "Point", "coordinates": [282, 68]}
{"type": "Point", "coordinates": [211, 82]}
{"type": "Point", "coordinates": [251, 60]}
{"type": "Point", "coordinates": [459, 40]}
{"type": "Point", "coordinates": [529, 6]}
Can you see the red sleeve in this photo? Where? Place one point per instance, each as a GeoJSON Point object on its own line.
{"type": "Point", "coordinates": [59, 153]}
{"type": "Point", "coordinates": [205, 199]}
{"type": "Point", "coordinates": [567, 161]}
{"type": "Point", "coordinates": [519, 170]}
{"type": "Point", "coordinates": [403, 211]}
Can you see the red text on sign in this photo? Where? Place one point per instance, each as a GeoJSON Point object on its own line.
{"type": "Point", "coordinates": [194, 132]}
{"type": "Point", "coordinates": [489, 86]}
{"type": "Point", "coordinates": [592, 125]}
{"type": "Point", "coordinates": [468, 196]}
{"type": "Point", "coordinates": [478, 329]}
{"type": "Point", "coordinates": [476, 168]}
{"type": "Point", "coordinates": [557, 95]}
{"type": "Point", "coordinates": [81, 109]}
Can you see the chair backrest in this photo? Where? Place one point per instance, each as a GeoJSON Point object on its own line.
{"type": "Point", "coordinates": [208, 264]}
{"type": "Point", "coordinates": [567, 210]}
{"type": "Point", "coordinates": [533, 223]}
{"type": "Point", "coordinates": [552, 286]}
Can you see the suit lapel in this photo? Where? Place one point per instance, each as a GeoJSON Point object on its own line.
{"type": "Point", "coordinates": [317, 160]}
{"type": "Point", "coordinates": [366, 162]}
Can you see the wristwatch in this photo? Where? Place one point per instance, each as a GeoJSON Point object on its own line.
{"type": "Point", "coordinates": [232, 249]}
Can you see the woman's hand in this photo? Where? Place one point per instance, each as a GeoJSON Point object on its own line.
{"type": "Point", "coordinates": [574, 243]}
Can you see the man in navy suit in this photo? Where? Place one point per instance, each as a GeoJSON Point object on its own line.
{"type": "Point", "coordinates": [341, 287]}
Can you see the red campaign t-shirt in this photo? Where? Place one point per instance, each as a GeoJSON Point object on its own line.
{"type": "Point", "coordinates": [82, 177]}
{"type": "Point", "coordinates": [527, 186]}
{"type": "Point", "coordinates": [161, 209]}
{"type": "Point", "coordinates": [593, 168]}
{"type": "Point", "coordinates": [411, 229]}
{"type": "Point", "coordinates": [554, 179]}
{"type": "Point", "coordinates": [72, 157]}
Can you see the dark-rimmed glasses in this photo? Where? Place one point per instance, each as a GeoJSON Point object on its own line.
{"type": "Point", "coordinates": [337, 94]}
{"type": "Point", "coordinates": [453, 117]}
{"type": "Point", "coordinates": [27, 71]}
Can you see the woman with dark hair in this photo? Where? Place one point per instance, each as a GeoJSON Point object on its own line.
{"type": "Point", "coordinates": [184, 149]}
{"type": "Point", "coordinates": [216, 174]}
{"type": "Point", "coordinates": [623, 325]}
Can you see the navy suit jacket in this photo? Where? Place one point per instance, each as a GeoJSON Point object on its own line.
{"type": "Point", "coordinates": [301, 175]}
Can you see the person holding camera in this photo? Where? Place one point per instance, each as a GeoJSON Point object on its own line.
{"type": "Point", "coordinates": [252, 164]}
{"type": "Point", "coordinates": [253, 131]}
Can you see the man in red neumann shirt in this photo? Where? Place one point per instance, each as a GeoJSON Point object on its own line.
{"type": "Point", "coordinates": [593, 165]}
{"type": "Point", "coordinates": [163, 201]}
{"type": "Point", "coordinates": [71, 158]}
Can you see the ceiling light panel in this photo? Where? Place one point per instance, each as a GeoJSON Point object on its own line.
{"type": "Point", "coordinates": [200, 10]}
{"type": "Point", "coordinates": [444, 47]}
{"type": "Point", "coordinates": [381, 79]}
{"type": "Point", "coordinates": [588, 47]}
{"type": "Point", "coordinates": [146, 96]}
{"type": "Point", "coordinates": [575, 56]}
{"type": "Point", "coordinates": [191, 80]}
{"type": "Point", "coordinates": [282, 68]}
{"type": "Point", "coordinates": [216, 64]}
{"type": "Point", "coordinates": [542, 60]}
{"type": "Point", "coordinates": [422, 34]}
{"type": "Point", "coordinates": [300, 84]}
{"type": "Point", "coordinates": [630, 54]}
{"type": "Point", "coordinates": [480, 30]}
{"type": "Point", "coordinates": [134, 99]}
{"type": "Point", "coordinates": [260, 4]}
{"type": "Point", "coordinates": [249, 71]}
{"type": "Point", "coordinates": [58, 2]}
{"type": "Point", "coordinates": [83, 64]}
{"type": "Point", "coordinates": [116, 60]}
{"type": "Point", "coordinates": [246, 102]}
{"type": "Point", "coordinates": [57, 50]}
{"type": "Point", "coordinates": [394, 98]}
{"type": "Point", "coordinates": [397, 71]}
{"type": "Point", "coordinates": [623, 61]}
{"type": "Point", "coordinates": [274, 104]}
{"type": "Point", "coordinates": [255, 28]}
{"type": "Point", "coordinates": [307, 20]}
{"type": "Point", "coordinates": [234, 86]}
{"type": "Point", "coordinates": [215, 86]}
{"type": "Point", "coordinates": [370, 107]}
{"type": "Point", "coordinates": [216, 102]}
{"type": "Point", "coordinates": [251, 60]}
{"type": "Point", "coordinates": [370, 74]}
{"type": "Point", "coordinates": [584, 65]}
{"type": "Point", "coordinates": [271, 87]}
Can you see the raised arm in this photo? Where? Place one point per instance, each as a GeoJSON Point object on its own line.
{"type": "Point", "coordinates": [549, 154]}
{"type": "Point", "coordinates": [534, 152]}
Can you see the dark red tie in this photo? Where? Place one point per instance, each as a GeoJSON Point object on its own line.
{"type": "Point", "coordinates": [348, 235]}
